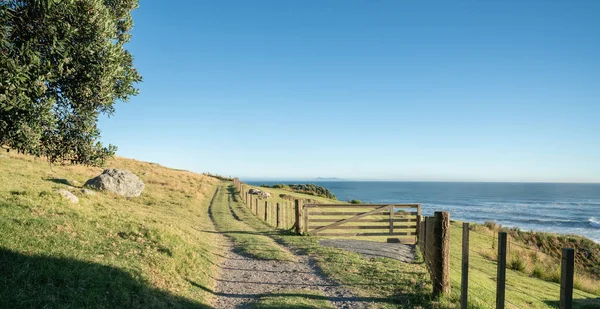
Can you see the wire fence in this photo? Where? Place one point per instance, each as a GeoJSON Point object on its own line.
{"type": "Point", "coordinates": [521, 288]}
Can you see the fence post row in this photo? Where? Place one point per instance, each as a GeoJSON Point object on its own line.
{"type": "Point", "coordinates": [441, 256]}
{"type": "Point", "coordinates": [298, 216]}
{"type": "Point", "coordinates": [567, 266]}
{"type": "Point", "coordinates": [278, 216]}
{"type": "Point", "coordinates": [501, 276]}
{"type": "Point", "coordinates": [266, 211]}
{"type": "Point", "coordinates": [464, 283]}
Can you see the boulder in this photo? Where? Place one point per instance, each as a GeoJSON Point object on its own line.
{"type": "Point", "coordinates": [264, 194]}
{"type": "Point", "coordinates": [254, 191]}
{"type": "Point", "coordinates": [68, 195]}
{"type": "Point", "coordinates": [121, 182]}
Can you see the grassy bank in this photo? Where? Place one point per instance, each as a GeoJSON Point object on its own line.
{"type": "Point", "coordinates": [106, 250]}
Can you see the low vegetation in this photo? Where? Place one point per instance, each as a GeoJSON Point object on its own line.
{"type": "Point", "coordinates": [310, 189]}
{"type": "Point", "coordinates": [105, 251]}
{"type": "Point", "coordinates": [539, 254]}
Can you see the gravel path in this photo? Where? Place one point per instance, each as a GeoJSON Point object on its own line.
{"type": "Point", "coordinates": [243, 279]}
{"type": "Point", "coordinates": [371, 249]}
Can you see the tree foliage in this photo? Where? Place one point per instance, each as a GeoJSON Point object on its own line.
{"type": "Point", "coordinates": [62, 64]}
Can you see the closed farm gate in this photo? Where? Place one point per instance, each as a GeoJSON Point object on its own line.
{"type": "Point", "coordinates": [363, 220]}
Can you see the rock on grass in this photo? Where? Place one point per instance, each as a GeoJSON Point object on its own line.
{"type": "Point", "coordinates": [121, 182]}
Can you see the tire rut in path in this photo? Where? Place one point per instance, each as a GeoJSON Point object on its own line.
{"type": "Point", "coordinates": [243, 279]}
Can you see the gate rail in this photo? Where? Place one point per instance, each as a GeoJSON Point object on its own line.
{"type": "Point", "coordinates": [325, 219]}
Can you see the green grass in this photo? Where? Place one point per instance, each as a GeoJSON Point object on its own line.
{"type": "Point", "coordinates": [522, 289]}
{"type": "Point", "coordinates": [246, 239]}
{"type": "Point", "coordinates": [106, 251]}
{"type": "Point", "coordinates": [293, 300]}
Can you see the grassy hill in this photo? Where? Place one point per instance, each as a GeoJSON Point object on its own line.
{"type": "Point", "coordinates": [106, 250]}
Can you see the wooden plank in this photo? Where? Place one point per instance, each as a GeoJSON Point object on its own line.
{"type": "Point", "coordinates": [366, 234]}
{"type": "Point", "coordinates": [347, 213]}
{"type": "Point", "coordinates": [405, 213]}
{"type": "Point", "coordinates": [362, 220]}
{"type": "Point", "coordinates": [352, 218]}
{"type": "Point", "coordinates": [359, 227]}
{"type": "Point", "coordinates": [334, 213]}
{"type": "Point", "coordinates": [361, 205]}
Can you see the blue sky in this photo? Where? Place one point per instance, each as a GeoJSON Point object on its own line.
{"type": "Point", "coordinates": [386, 90]}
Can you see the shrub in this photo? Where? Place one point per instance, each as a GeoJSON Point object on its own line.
{"type": "Point", "coordinates": [538, 271]}
{"type": "Point", "coordinates": [491, 225]}
{"type": "Point", "coordinates": [517, 262]}
{"type": "Point", "coordinates": [355, 202]}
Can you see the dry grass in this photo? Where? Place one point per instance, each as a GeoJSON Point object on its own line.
{"type": "Point", "coordinates": [538, 255]}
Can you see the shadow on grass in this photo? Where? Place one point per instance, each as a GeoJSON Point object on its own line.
{"type": "Point", "coordinates": [60, 181]}
{"type": "Point", "coordinates": [233, 192]}
{"type": "Point", "coordinates": [50, 282]}
{"type": "Point", "coordinates": [580, 303]}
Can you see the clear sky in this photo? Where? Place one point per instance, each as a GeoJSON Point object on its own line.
{"type": "Point", "coordinates": [387, 90]}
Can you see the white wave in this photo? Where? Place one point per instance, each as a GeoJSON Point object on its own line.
{"type": "Point", "coordinates": [594, 223]}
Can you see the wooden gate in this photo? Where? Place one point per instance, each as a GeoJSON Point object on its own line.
{"type": "Point", "coordinates": [363, 220]}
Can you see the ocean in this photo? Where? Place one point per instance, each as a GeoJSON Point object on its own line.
{"type": "Point", "coordinates": [548, 207]}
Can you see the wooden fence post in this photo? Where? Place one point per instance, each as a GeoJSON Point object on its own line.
{"type": "Point", "coordinates": [419, 228]}
{"type": "Point", "coordinates": [567, 266]}
{"type": "Point", "coordinates": [278, 215]}
{"type": "Point", "coordinates": [267, 212]}
{"type": "Point", "coordinates": [501, 276]}
{"type": "Point", "coordinates": [464, 283]}
{"type": "Point", "coordinates": [441, 257]}
{"type": "Point", "coordinates": [256, 206]}
{"type": "Point", "coordinates": [429, 242]}
{"type": "Point", "coordinates": [298, 216]}
{"type": "Point", "coordinates": [305, 225]}
{"type": "Point", "coordinates": [418, 223]}
{"type": "Point", "coordinates": [391, 219]}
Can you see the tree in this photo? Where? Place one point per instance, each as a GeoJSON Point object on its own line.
{"type": "Point", "coordinates": [62, 64]}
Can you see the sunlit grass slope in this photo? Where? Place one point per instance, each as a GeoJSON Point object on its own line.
{"type": "Point", "coordinates": [106, 250]}
{"type": "Point", "coordinates": [523, 289]}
